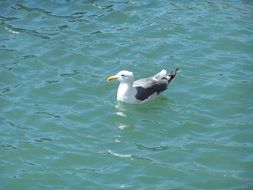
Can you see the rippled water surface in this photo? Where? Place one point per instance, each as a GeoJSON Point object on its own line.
{"type": "Point", "coordinates": [61, 127]}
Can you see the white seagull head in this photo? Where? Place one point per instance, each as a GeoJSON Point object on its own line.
{"type": "Point", "coordinates": [123, 77]}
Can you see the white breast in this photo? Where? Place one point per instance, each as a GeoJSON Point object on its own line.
{"type": "Point", "coordinates": [126, 93]}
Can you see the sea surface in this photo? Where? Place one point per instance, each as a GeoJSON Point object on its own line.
{"type": "Point", "coordinates": [61, 127]}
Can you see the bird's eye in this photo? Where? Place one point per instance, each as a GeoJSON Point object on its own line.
{"type": "Point", "coordinates": [122, 75]}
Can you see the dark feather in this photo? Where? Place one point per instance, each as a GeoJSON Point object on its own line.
{"type": "Point", "coordinates": [156, 84]}
{"type": "Point", "coordinates": [144, 93]}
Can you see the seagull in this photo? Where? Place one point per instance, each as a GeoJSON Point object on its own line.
{"type": "Point", "coordinates": [142, 90]}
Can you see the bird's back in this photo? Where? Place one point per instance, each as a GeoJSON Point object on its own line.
{"type": "Point", "coordinates": [153, 85]}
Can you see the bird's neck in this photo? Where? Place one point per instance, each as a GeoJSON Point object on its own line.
{"type": "Point", "coordinates": [125, 91]}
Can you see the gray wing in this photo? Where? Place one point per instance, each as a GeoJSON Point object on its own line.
{"type": "Point", "coordinates": [148, 82]}
{"type": "Point", "coordinates": [155, 84]}
{"type": "Point", "coordinates": [148, 86]}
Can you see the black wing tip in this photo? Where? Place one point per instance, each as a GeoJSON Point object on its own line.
{"type": "Point", "coordinates": [172, 74]}
{"type": "Point", "coordinates": [175, 71]}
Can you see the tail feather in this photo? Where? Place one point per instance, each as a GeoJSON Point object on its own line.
{"type": "Point", "coordinates": [172, 74]}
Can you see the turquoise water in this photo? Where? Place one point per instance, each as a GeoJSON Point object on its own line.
{"type": "Point", "coordinates": [60, 124]}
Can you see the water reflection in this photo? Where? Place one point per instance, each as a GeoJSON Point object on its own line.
{"type": "Point", "coordinates": [124, 119]}
{"type": "Point", "coordinates": [130, 115]}
{"type": "Point", "coordinates": [120, 110]}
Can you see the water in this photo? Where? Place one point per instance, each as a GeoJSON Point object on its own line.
{"type": "Point", "coordinates": [61, 127]}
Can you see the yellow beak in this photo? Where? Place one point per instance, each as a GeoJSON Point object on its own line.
{"type": "Point", "coordinates": [111, 78]}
